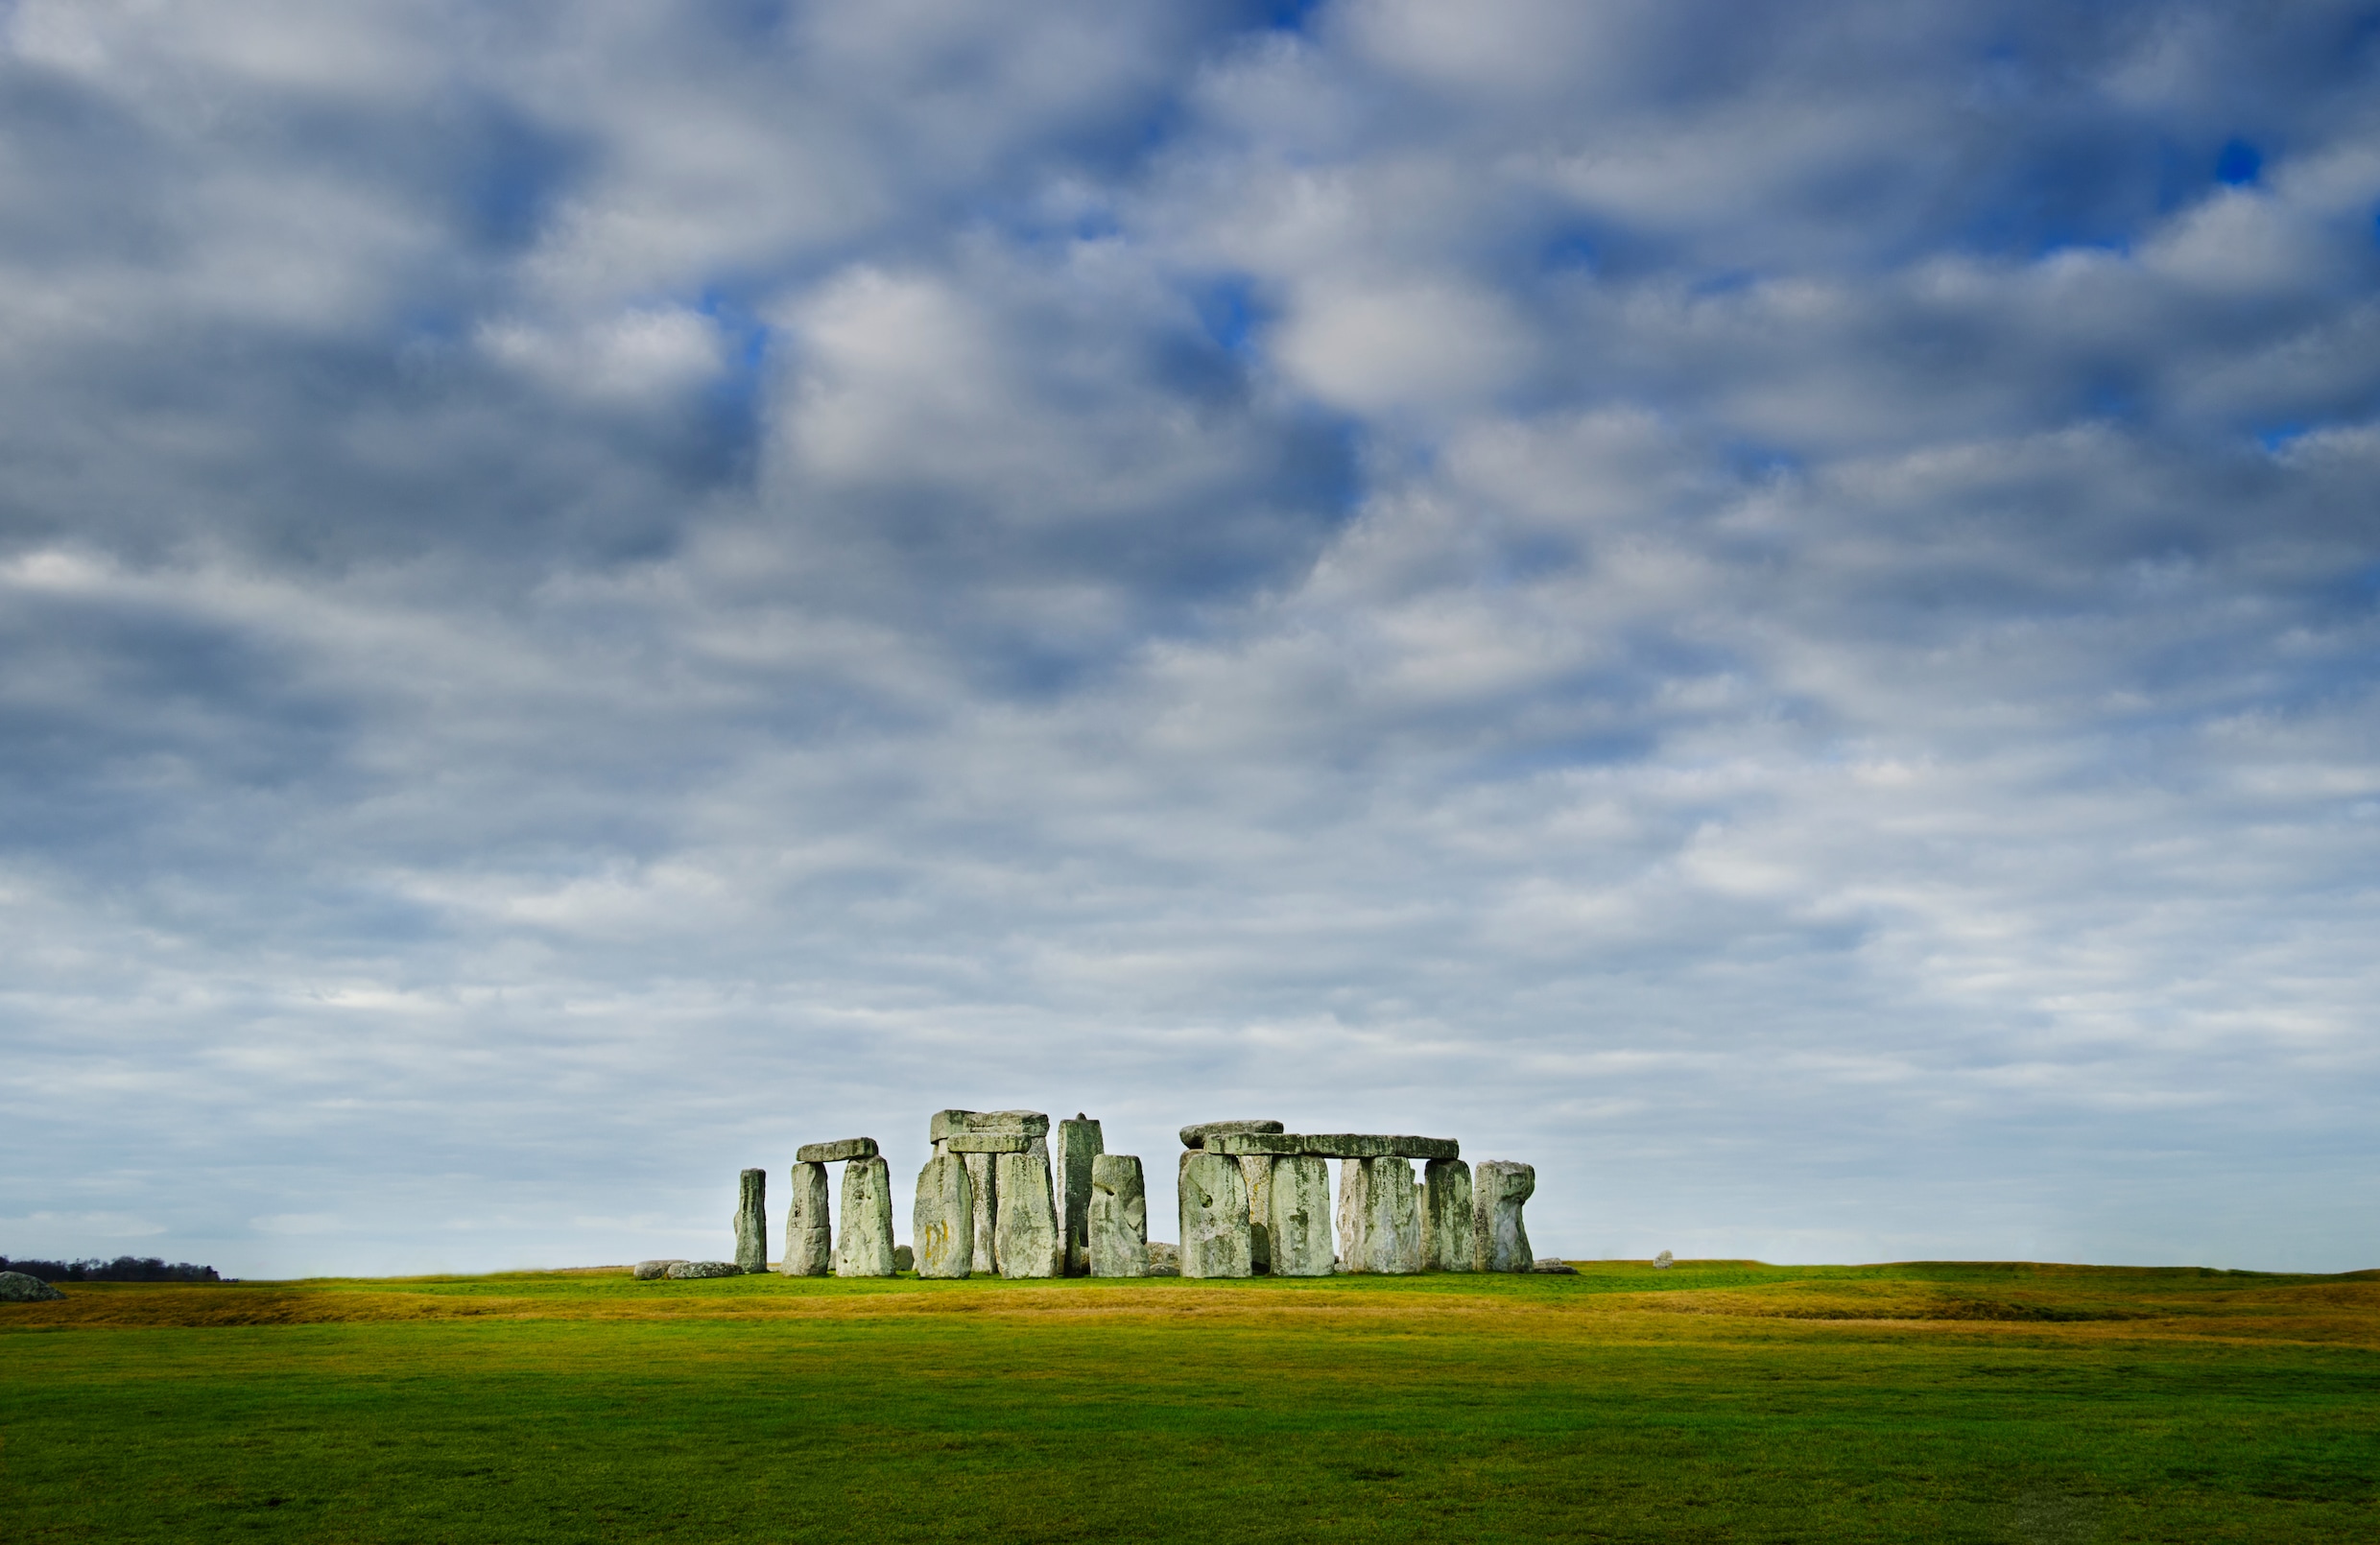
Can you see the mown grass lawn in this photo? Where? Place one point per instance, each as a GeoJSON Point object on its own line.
{"type": "Point", "coordinates": [1717, 1401]}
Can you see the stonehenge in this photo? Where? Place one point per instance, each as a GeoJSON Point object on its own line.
{"type": "Point", "coordinates": [942, 1226]}
{"type": "Point", "coordinates": [1299, 1223]}
{"type": "Point", "coordinates": [751, 1221]}
{"type": "Point", "coordinates": [1379, 1216]}
{"type": "Point", "coordinates": [1213, 1197]}
{"type": "Point", "coordinates": [1501, 1244]}
{"type": "Point", "coordinates": [1252, 1198]}
{"type": "Point", "coordinates": [1117, 1220]}
{"type": "Point", "coordinates": [865, 1245]}
{"type": "Point", "coordinates": [1447, 1232]}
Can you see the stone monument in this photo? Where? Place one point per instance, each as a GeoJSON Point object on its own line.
{"type": "Point", "coordinates": [865, 1245]}
{"type": "Point", "coordinates": [1213, 1196]}
{"type": "Point", "coordinates": [1299, 1222]}
{"type": "Point", "coordinates": [1501, 1244]}
{"type": "Point", "coordinates": [751, 1221]}
{"type": "Point", "coordinates": [809, 1231]}
{"type": "Point", "coordinates": [942, 1223]}
{"type": "Point", "coordinates": [1117, 1220]}
{"type": "Point", "coordinates": [1448, 1228]}
{"type": "Point", "coordinates": [1079, 1144]}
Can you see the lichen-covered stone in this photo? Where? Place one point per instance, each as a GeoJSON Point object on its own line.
{"type": "Point", "coordinates": [941, 1224]}
{"type": "Point", "coordinates": [1164, 1258]}
{"type": "Point", "coordinates": [23, 1287]}
{"type": "Point", "coordinates": [986, 1143]}
{"type": "Point", "coordinates": [1196, 1136]}
{"type": "Point", "coordinates": [904, 1259]}
{"type": "Point", "coordinates": [751, 1221]}
{"type": "Point", "coordinates": [1213, 1198]}
{"type": "Point", "coordinates": [835, 1152]}
{"type": "Point", "coordinates": [809, 1228]}
{"type": "Point", "coordinates": [1379, 1216]}
{"type": "Point", "coordinates": [1026, 1220]}
{"type": "Point", "coordinates": [1501, 1241]}
{"type": "Point", "coordinates": [1448, 1231]}
{"type": "Point", "coordinates": [655, 1269]}
{"type": "Point", "coordinates": [687, 1271]}
{"type": "Point", "coordinates": [1116, 1223]}
{"type": "Point", "coordinates": [1023, 1123]}
{"type": "Point", "coordinates": [1256, 1168]}
{"type": "Point", "coordinates": [1298, 1218]}
{"type": "Point", "coordinates": [1078, 1143]}
{"type": "Point", "coordinates": [983, 1174]}
{"type": "Point", "coordinates": [1548, 1267]}
{"type": "Point", "coordinates": [1335, 1145]}
{"type": "Point", "coordinates": [865, 1245]}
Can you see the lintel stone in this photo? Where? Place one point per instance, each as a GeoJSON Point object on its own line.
{"type": "Point", "coordinates": [1195, 1136]}
{"type": "Point", "coordinates": [988, 1143]}
{"type": "Point", "coordinates": [1335, 1145]}
{"type": "Point", "coordinates": [849, 1148]}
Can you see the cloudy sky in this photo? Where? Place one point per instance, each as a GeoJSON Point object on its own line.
{"type": "Point", "coordinates": [1771, 607]}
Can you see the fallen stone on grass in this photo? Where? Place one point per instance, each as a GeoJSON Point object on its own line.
{"type": "Point", "coordinates": [687, 1271]}
{"type": "Point", "coordinates": [1662, 1262]}
{"type": "Point", "coordinates": [654, 1271]}
{"type": "Point", "coordinates": [1117, 1220]}
{"type": "Point", "coordinates": [1550, 1267]}
{"type": "Point", "coordinates": [19, 1287]}
{"type": "Point", "coordinates": [1164, 1258]}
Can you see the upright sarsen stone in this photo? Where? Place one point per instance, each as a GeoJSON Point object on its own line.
{"type": "Point", "coordinates": [1298, 1218]}
{"type": "Point", "coordinates": [1500, 1240]}
{"type": "Point", "coordinates": [1079, 1144]}
{"type": "Point", "coordinates": [809, 1232]}
{"type": "Point", "coordinates": [864, 1247]}
{"type": "Point", "coordinates": [1025, 1225]}
{"type": "Point", "coordinates": [1379, 1216]}
{"type": "Point", "coordinates": [942, 1226]}
{"type": "Point", "coordinates": [1256, 1168]}
{"type": "Point", "coordinates": [1448, 1228]}
{"type": "Point", "coordinates": [1117, 1220]}
{"type": "Point", "coordinates": [983, 1175]}
{"type": "Point", "coordinates": [1213, 1195]}
{"type": "Point", "coordinates": [751, 1221]}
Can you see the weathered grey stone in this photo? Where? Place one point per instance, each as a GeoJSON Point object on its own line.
{"type": "Point", "coordinates": [1379, 1216]}
{"type": "Point", "coordinates": [1213, 1197]}
{"type": "Point", "coordinates": [1335, 1145]}
{"type": "Point", "coordinates": [904, 1259]}
{"type": "Point", "coordinates": [1025, 1224]}
{"type": "Point", "coordinates": [23, 1287]}
{"type": "Point", "coordinates": [983, 1174]}
{"type": "Point", "coordinates": [1164, 1258]}
{"type": "Point", "coordinates": [951, 1122]}
{"type": "Point", "coordinates": [1117, 1220]}
{"type": "Point", "coordinates": [653, 1271]}
{"type": "Point", "coordinates": [751, 1221]}
{"type": "Point", "coordinates": [1500, 1242]}
{"type": "Point", "coordinates": [1298, 1218]}
{"type": "Point", "coordinates": [1448, 1231]}
{"type": "Point", "coordinates": [941, 1224]}
{"type": "Point", "coordinates": [1078, 1143]}
{"type": "Point", "coordinates": [986, 1143]}
{"type": "Point", "coordinates": [1196, 1136]}
{"type": "Point", "coordinates": [1663, 1262]}
{"type": "Point", "coordinates": [1553, 1267]}
{"type": "Point", "coordinates": [865, 1245]}
{"type": "Point", "coordinates": [835, 1152]}
{"type": "Point", "coordinates": [686, 1270]}
{"type": "Point", "coordinates": [809, 1229]}
{"type": "Point", "coordinates": [1256, 1168]}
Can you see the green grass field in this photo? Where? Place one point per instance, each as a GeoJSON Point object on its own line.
{"type": "Point", "coordinates": [1716, 1401]}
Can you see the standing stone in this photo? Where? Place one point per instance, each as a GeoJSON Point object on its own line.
{"type": "Point", "coordinates": [752, 1221]}
{"type": "Point", "coordinates": [1079, 1145]}
{"type": "Point", "coordinates": [1500, 1242]}
{"type": "Point", "coordinates": [1256, 1168]}
{"type": "Point", "coordinates": [1448, 1228]}
{"type": "Point", "coordinates": [864, 1247]}
{"type": "Point", "coordinates": [1025, 1225]}
{"type": "Point", "coordinates": [983, 1175]}
{"type": "Point", "coordinates": [1379, 1216]}
{"type": "Point", "coordinates": [1117, 1220]}
{"type": "Point", "coordinates": [1213, 1195]}
{"type": "Point", "coordinates": [942, 1226]}
{"type": "Point", "coordinates": [809, 1232]}
{"type": "Point", "coordinates": [1298, 1218]}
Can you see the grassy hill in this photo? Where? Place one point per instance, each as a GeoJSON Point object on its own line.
{"type": "Point", "coordinates": [1718, 1401]}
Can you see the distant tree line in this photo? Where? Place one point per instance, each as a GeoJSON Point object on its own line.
{"type": "Point", "coordinates": [123, 1269]}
